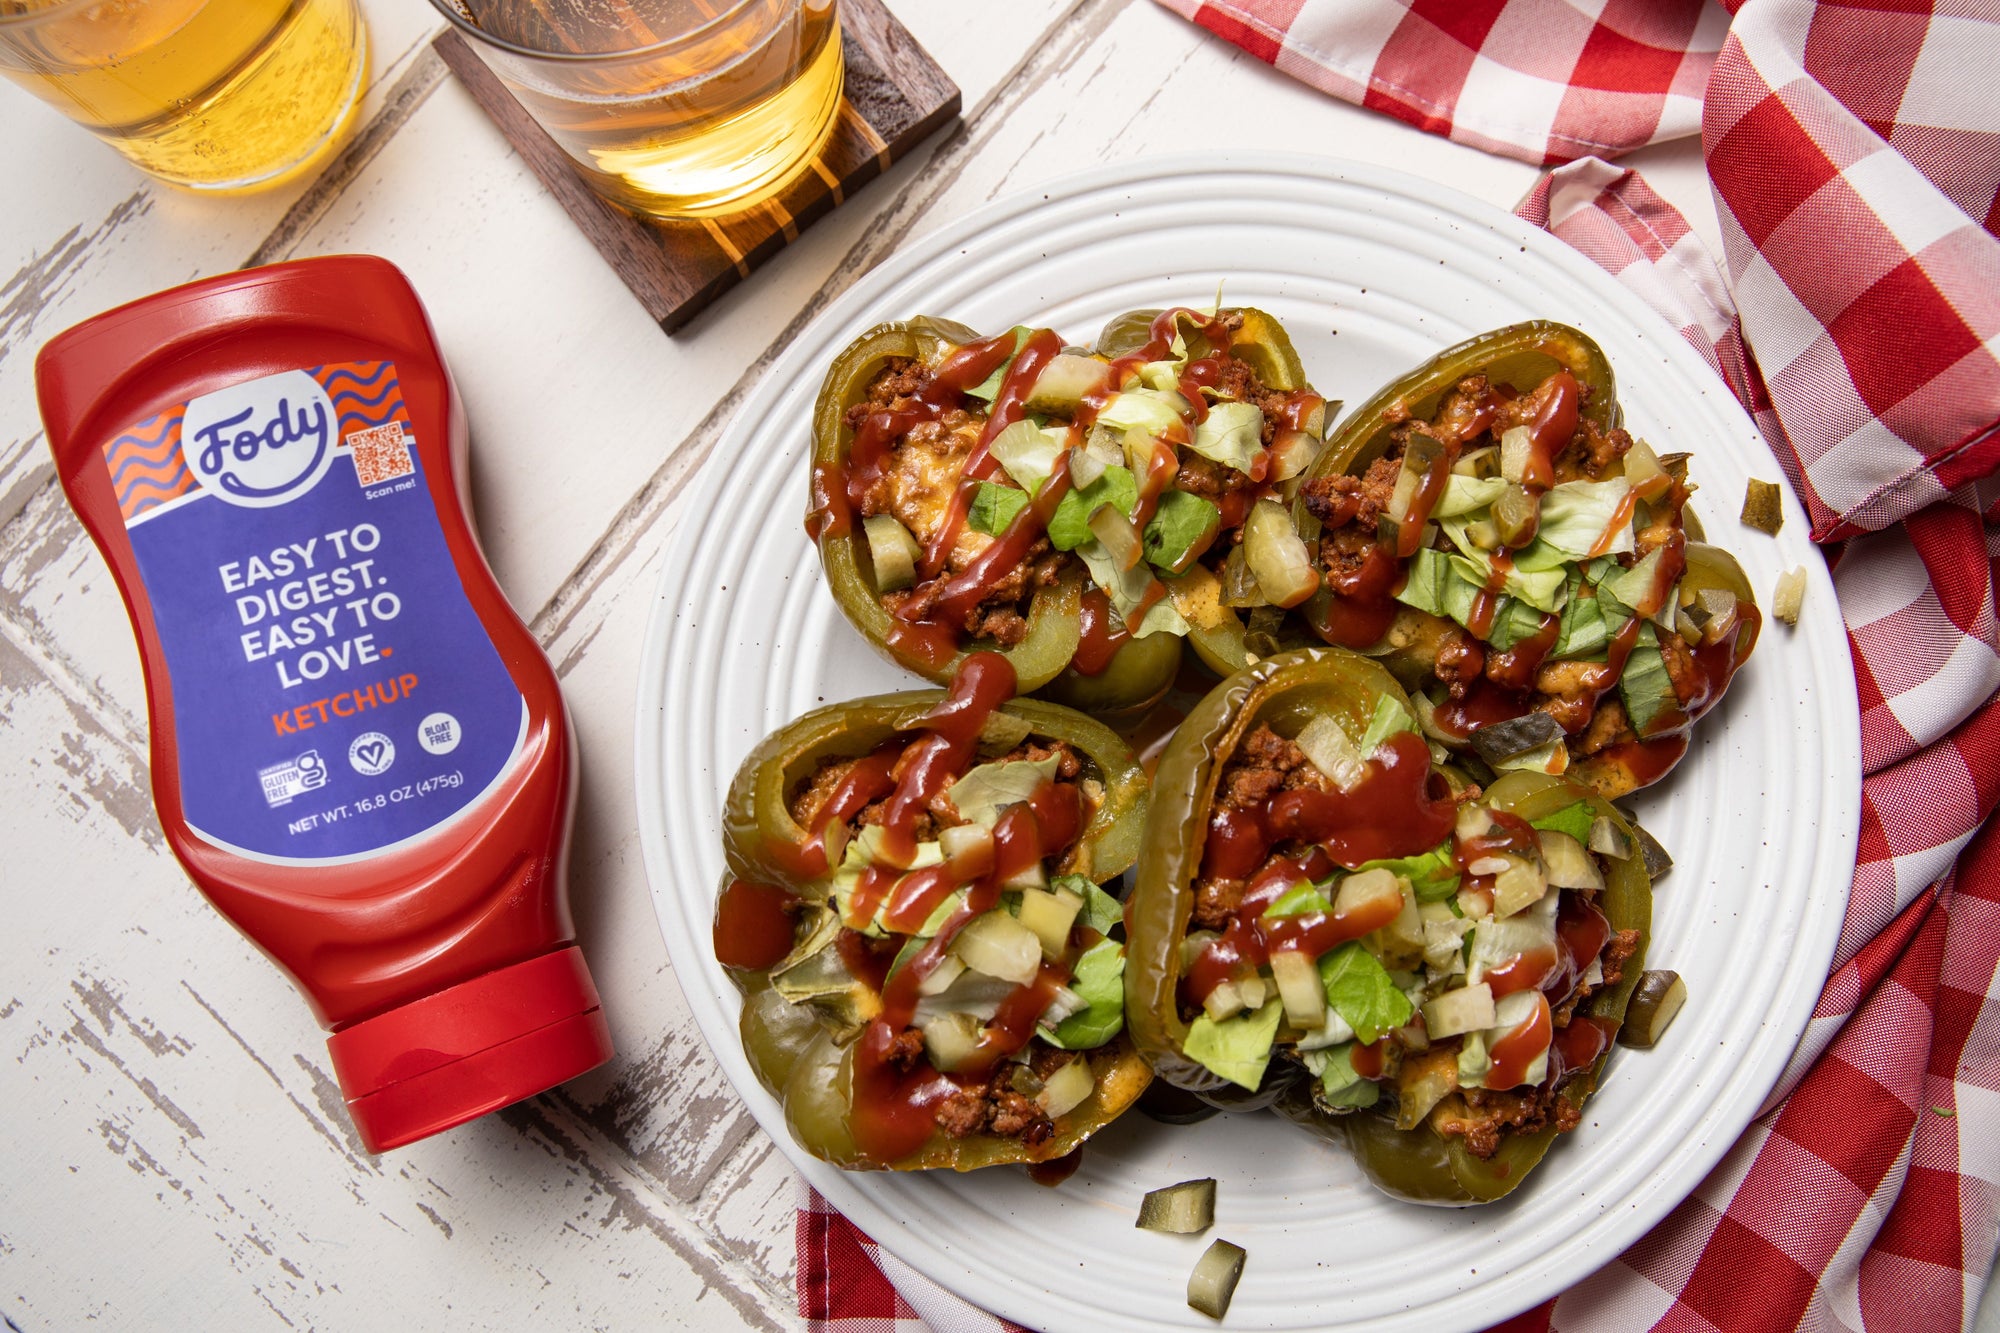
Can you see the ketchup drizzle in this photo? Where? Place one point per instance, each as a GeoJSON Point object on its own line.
{"type": "Point", "coordinates": [892, 1111]}
{"type": "Point", "coordinates": [1103, 634]}
{"type": "Point", "coordinates": [1399, 808]}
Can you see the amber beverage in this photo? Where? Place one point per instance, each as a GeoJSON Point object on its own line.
{"type": "Point", "coordinates": [674, 108]}
{"type": "Point", "coordinates": [210, 94]}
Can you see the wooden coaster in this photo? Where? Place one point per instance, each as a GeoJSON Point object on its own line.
{"type": "Point", "coordinates": [894, 96]}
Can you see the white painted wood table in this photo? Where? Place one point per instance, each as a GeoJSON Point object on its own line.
{"type": "Point", "coordinates": [176, 1154]}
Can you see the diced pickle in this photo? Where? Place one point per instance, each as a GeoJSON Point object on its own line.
{"type": "Point", "coordinates": [893, 551]}
{"type": "Point", "coordinates": [1066, 379]}
{"type": "Point", "coordinates": [1517, 515]}
{"type": "Point", "coordinates": [1276, 556]}
{"type": "Point", "coordinates": [1570, 867]}
{"type": "Point", "coordinates": [1500, 741]}
{"type": "Point", "coordinates": [1761, 507]}
{"type": "Point", "coordinates": [1607, 839]}
{"type": "Point", "coordinates": [1185, 1209]}
{"type": "Point", "coordinates": [1655, 1004]}
{"type": "Point", "coordinates": [1214, 1279]}
{"type": "Point", "coordinates": [1658, 863]}
{"type": "Point", "coordinates": [1239, 585]}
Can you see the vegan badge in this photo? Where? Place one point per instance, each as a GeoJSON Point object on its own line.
{"type": "Point", "coordinates": [371, 753]}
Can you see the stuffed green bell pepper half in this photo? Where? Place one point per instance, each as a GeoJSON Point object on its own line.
{"type": "Point", "coordinates": [932, 974]}
{"type": "Point", "coordinates": [1487, 528]}
{"type": "Point", "coordinates": [1071, 509]}
{"type": "Point", "coordinates": [1326, 923]}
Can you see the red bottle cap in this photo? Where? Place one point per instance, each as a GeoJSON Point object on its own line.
{"type": "Point", "coordinates": [452, 1056]}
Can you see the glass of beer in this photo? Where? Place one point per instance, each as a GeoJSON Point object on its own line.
{"type": "Point", "coordinates": [673, 108]}
{"type": "Point", "coordinates": [210, 94]}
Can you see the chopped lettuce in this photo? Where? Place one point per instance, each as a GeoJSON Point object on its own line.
{"type": "Point", "coordinates": [1178, 523]}
{"type": "Point", "coordinates": [994, 507]}
{"type": "Point", "coordinates": [1514, 621]}
{"type": "Point", "coordinates": [1069, 526]}
{"type": "Point", "coordinates": [1586, 630]}
{"type": "Point", "coordinates": [869, 847]}
{"type": "Point", "coordinates": [1538, 556]}
{"type": "Point", "coordinates": [1433, 875]}
{"type": "Point", "coordinates": [942, 913]}
{"type": "Point", "coordinates": [1231, 434]}
{"type": "Point", "coordinates": [989, 388]}
{"type": "Point", "coordinates": [1576, 514]}
{"type": "Point", "coordinates": [1390, 718]}
{"type": "Point", "coordinates": [1099, 980]}
{"type": "Point", "coordinates": [1473, 1061]}
{"type": "Point", "coordinates": [1361, 991]}
{"type": "Point", "coordinates": [1574, 819]}
{"type": "Point", "coordinates": [1646, 687]}
{"type": "Point", "coordinates": [1101, 911]}
{"type": "Point", "coordinates": [1540, 589]}
{"type": "Point", "coordinates": [990, 788]}
{"type": "Point", "coordinates": [1465, 495]}
{"type": "Point", "coordinates": [1237, 1048]}
{"type": "Point", "coordinates": [1435, 585]}
{"type": "Point", "coordinates": [1141, 409]}
{"type": "Point", "coordinates": [1339, 1084]}
{"type": "Point", "coordinates": [1030, 452]}
{"type": "Point", "coordinates": [1127, 588]}
{"type": "Point", "coordinates": [1299, 900]}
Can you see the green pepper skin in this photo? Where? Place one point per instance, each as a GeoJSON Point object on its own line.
{"type": "Point", "coordinates": [1520, 356]}
{"type": "Point", "coordinates": [794, 1054]}
{"type": "Point", "coordinates": [1421, 1166]}
{"type": "Point", "coordinates": [1131, 681]}
{"type": "Point", "coordinates": [1115, 693]}
{"type": "Point", "coordinates": [760, 840]}
{"type": "Point", "coordinates": [1286, 691]}
{"type": "Point", "coordinates": [1261, 342]}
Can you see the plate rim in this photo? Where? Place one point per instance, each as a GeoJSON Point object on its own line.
{"type": "Point", "coordinates": [1841, 807]}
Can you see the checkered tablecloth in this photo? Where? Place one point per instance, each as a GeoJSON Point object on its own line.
{"type": "Point", "coordinates": [1854, 151]}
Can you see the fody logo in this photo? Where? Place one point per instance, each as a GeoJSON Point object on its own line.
{"type": "Point", "coordinates": [262, 443]}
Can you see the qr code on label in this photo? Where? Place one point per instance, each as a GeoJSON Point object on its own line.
{"type": "Point", "coordinates": [381, 454]}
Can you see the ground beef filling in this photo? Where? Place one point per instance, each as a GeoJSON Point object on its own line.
{"type": "Point", "coordinates": [813, 794]}
{"type": "Point", "coordinates": [996, 1107]}
{"type": "Point", "coordinates": [1577, 694]}
{"type": "Point", "coordinates": [925, 465]}
{"type": "Point", "coordinates": [1000, 1106]}
{"type": "Point", "coordinates": [1263, 765]}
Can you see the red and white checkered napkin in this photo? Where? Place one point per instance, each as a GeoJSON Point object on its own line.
{"type": "Point", "coordinates": [1856, 177]}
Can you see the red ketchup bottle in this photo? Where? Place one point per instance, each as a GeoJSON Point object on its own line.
{"type": "Point", "coordinates": [359, 753]}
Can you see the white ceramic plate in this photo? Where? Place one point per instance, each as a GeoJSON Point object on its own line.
{"type": "Point", "coordinates": [1371, 272]}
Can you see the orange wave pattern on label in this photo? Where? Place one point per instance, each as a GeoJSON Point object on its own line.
{"type": "Point", "coordinates": [365, 394]}
{"type": "Point", "coordinates": [145, 462]}
{"type": "Point", "coordinates": [146, 465]}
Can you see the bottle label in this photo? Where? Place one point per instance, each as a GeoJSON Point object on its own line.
{"type": "Point", "coordinates": [334, 693]}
